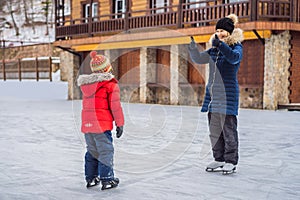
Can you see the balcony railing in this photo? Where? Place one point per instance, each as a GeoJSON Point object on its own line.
{"type": "Point", "coordinates": [183, 15]}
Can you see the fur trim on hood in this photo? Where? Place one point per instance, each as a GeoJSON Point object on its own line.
{"type": "Point", "coordinates": [236, 37]}
{"type": "Point", "coordinates": [93, 78]}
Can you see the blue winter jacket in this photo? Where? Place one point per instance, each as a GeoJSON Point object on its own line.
{"type": "Point", "coordinates": [222, 89]}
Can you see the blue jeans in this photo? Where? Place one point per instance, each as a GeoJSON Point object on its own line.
{"type": "Point", "coordinates": [99, 156]}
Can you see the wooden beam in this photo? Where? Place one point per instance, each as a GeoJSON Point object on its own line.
{"type": "Point", "coordinates": [37, 68]}
{"type": "Point", "coordinates": [3, 69]}
{"type": "Point", "coordinates": [137, 43]}
{"type": "Point", "coordinates": [248, 35]}
{"type": "Point", "coordinates": [19, 69]}
{"type": "Point", "coordinates": [50, 68]}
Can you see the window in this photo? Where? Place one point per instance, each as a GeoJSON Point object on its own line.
{"type": "Point", "coordinates": [197, 5]}
{"type": "Point", "coordinates": [64, 7]}
{"type": "Point", "coordinates": [119, 8]}
{"type": "Point", "coordinates": [232, 1]}
{"type": "Point", "coordinates": [67, 8]}
{"type": "Point", "coordinates": [159, 4]}
{"type": "Point", "coordinates": [86, 13]}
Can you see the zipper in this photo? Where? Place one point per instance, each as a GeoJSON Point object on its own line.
{"type": "Point", "coordinates": [213, 81]}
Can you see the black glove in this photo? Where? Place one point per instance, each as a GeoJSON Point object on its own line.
{"type": "Point", "coordinates": [119, 131]}
{"type": "Point", "coordinates": [216, 41]}
{"type": "Point", "coordinates": [193, 44]}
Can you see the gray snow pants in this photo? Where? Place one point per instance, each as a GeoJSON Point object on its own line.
{"type": "Point", "coordinates": [224, 137]}
{"type": "Point", "coordinates": [99, 156]}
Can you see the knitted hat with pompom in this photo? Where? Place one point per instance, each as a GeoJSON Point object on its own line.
{"type": "Point", "coordinates": [99, 63]}
{"type": "Point", "coordinates": [227, 23]}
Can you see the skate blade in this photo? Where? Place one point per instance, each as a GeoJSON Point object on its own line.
{"type": "Point", "coordinates": [107, 187]}
{"type": "Point", "coordinates": [229, 172]}
{"type": "Point", "coordinates": [90, 186]}
{"type": "Point", "coordinates": [218, 169]}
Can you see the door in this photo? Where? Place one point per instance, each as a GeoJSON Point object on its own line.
{"type": "Point", "coordinates": [163, 67]}
{"type": "Point", "coordinates": [129, 67]}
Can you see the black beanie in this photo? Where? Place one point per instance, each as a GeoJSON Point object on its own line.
{"type": "Point", "coordinates": [225, 24]}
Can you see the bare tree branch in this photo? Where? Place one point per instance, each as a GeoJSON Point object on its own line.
{"type": "Point", "coordinates": [27, 20]}
{"type": "Point", "coordinates": [11, 11]}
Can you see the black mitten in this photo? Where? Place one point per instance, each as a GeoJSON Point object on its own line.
{"type": "Point", "coordinates": [216, 41]}
{"type": "Point", "coordinates": [119, 131]}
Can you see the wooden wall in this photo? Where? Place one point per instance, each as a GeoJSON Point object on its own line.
{"type": "Point", "coordinates": [105, 7]}
{"type": "Point", "coordinates": [76, 9]}
{"type": "Point", "coordinates": [163, 66]}
{"type": "Point", "coordinates": [295, 68]}
{"type": "Point", "coordinates": [139, 5]}
{"type": "Point", "coordinates": [196, 73]}
{"type": "Point", "coordinates": [251, 72]}
{"type": "Point", "coordinates": [129, 67]}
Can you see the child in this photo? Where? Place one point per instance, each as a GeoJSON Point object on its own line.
{"type": "Point", "coordinates": [100, 107]}
{"type": "Point", "coordinates": [222, 91]}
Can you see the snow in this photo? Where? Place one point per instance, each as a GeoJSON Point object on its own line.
{"type": "Point", "coordinates": [27, 34]}
{"type": "Point", "coordinates": [162, 154]}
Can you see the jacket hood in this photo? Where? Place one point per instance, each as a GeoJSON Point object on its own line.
{"type": "Point", "coordinates": [236, 37]}
{"type": "Point", "coordinates": [91, 83]}
{"type": "Point", "coordinates": [93, 78]}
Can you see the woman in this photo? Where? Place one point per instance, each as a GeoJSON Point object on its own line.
{"type": "Point", "coordinates": [222, 91]}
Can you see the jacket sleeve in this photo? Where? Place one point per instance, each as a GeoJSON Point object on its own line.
{"type": "Point", "coordinates": [199, 57]}
{"type": "Point", "coordinates": [115, 105]}
{"type": "Point", "coordinates": [233, 56]}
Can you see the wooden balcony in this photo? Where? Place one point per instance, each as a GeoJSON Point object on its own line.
{"type": "Point", "coordinates": [178, 16]}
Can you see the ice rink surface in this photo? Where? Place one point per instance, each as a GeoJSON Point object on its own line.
{"type": "Point", "coordinates": [162, 154]}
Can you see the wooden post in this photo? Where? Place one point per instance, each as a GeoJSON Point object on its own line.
{"type": "Point", "coordinates": [90, 19]}
{"type": "Point", "coordinates": [253, 13]}
{"type": "Point", "coordinates": [37, 68]}
{"type": "Point", "coordinates": [19, 69]}
{"type": "Point", "coordinates": [294, 11]}
{"type": "Point", "coordinates": [126, 20]}
{"type": "Point", "coordinates": [179, 11]}
{"type": "Point", "coordinates": [3, 61]}
{"type": "Point", "coordinates": [50, 69]}
{"type": "Point", "coordinates": [63, 11]}
{"type": "Point", "coordinates": [3, 69]}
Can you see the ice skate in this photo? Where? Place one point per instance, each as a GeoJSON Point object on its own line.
{"type": "Point", "coordinates": [228, 168]}
{"type": "Point", "coordinates": [215, 166]}
{"type": "Point", "coordinates": [110, 184]}
{"type": "Point", "coordinates": [92, 183]}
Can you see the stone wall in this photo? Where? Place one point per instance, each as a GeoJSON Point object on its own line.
{"type": "Point", "coordinates": [251, 97]}
{"type": "Point", "coordinates": [276, 71]}
{"type": "Point", "coordinates": [158, 95]}
{"type": "Point", "coordinates": [69, 66]}
{"type": "Point", "coordinates": [191, 95]}
{"type": "Point", "coordinates": [129, 94]}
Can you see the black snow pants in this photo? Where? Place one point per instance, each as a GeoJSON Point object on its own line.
{"type": "Point", "coordinates": [224, 137]}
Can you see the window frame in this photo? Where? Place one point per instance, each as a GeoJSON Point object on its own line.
{"type": "Point", "coordinates": [95, 10]}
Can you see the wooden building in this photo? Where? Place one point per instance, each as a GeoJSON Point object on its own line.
{"type": "Point", "coordinates": [146, 41]}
